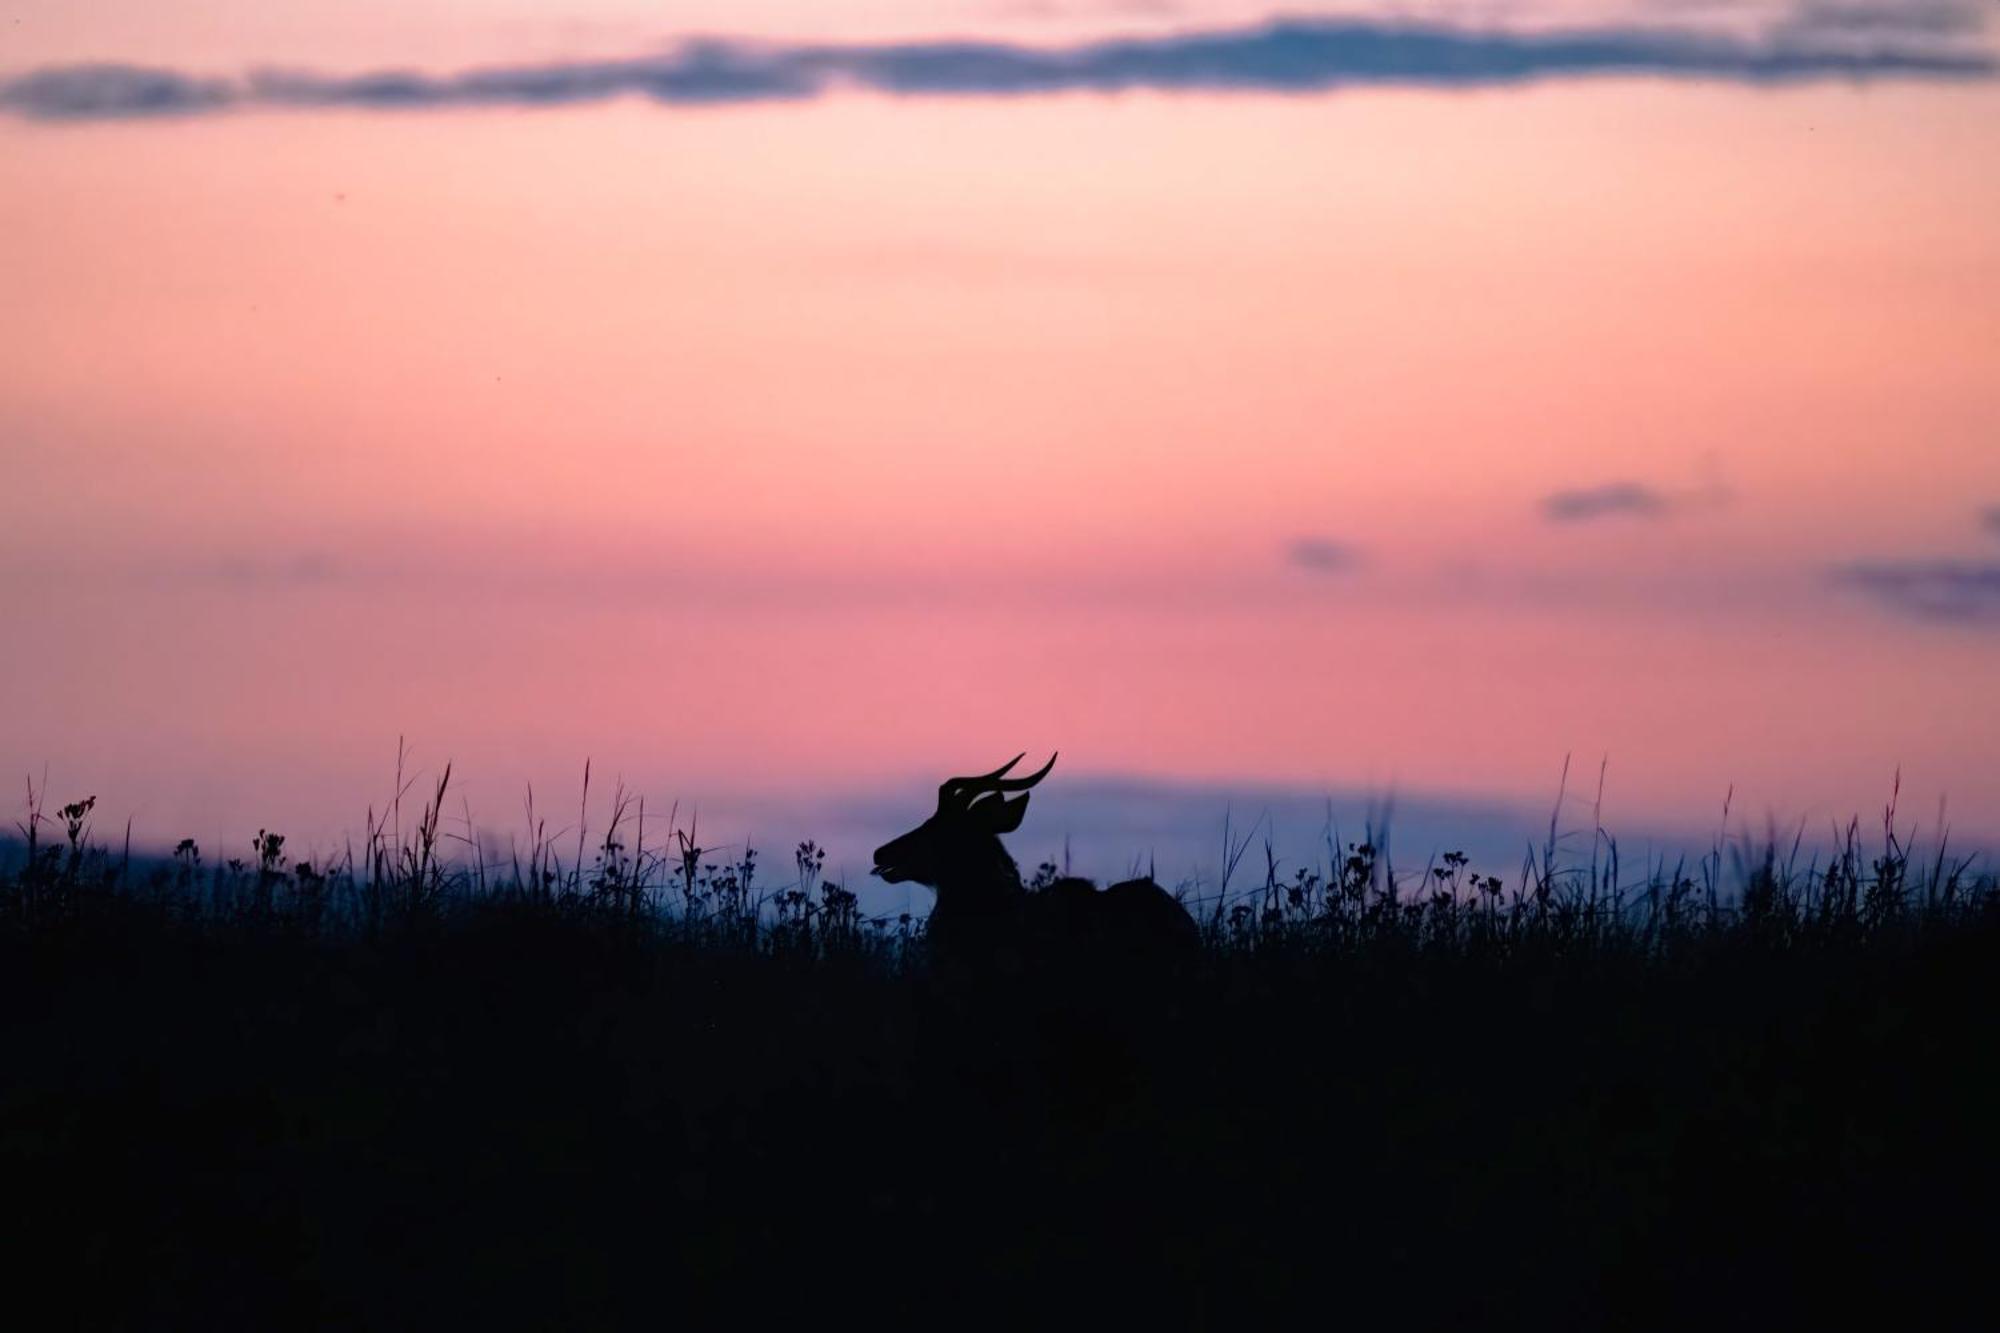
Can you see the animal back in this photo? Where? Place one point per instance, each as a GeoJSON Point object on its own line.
{"type": "Point", "coordinates": [1143, 917]}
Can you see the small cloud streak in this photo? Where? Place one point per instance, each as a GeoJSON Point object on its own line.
{"type": "Point", "coordinates": [113, 92]}
{"type": "Point", "coordinates": [1957, 591]}
{"type": "Point", "coordinates": [1319, 555]}
{"type": "Point", "coordinates": [1888, 18]}
{"type": "Point", "coordinates": [297, 570]}
{"type": "Point", "coordinates": [1617, 499]}
{"type": "Point", "coordinates": [1292, 56]}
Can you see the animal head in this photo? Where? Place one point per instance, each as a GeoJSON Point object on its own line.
{"type": "Point", "coordinates": [971, 815]}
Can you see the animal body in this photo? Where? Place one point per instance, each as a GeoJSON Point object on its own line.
{"type": "Point", "coordinates": [986, 920]}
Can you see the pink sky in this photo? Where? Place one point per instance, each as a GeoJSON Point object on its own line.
{"type": "Point", "coordinates": [770, 448]}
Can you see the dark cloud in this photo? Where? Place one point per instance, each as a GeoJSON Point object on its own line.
{"type": "Point", "coordinates": [91, 92]}
{"type": "Point", "coordinates": [1319, 555]}
{"type": "Point", "coordinates": [1960, 591]}
{"type": "Point", "coordinates": [1290, 56]}
{"type": "Point", "coordinates": [1310, 56]}
{"type": "Point", "coordinates": [699, 73]}
{"type": "Point", "coordinates": [1618, 499]}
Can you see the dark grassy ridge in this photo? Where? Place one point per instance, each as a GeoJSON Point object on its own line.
{"type": "Point", "coordinates": [597, 1094]}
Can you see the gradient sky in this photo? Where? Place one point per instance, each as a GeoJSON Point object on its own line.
{"type": "Point", "coordinates": [1405, 431]}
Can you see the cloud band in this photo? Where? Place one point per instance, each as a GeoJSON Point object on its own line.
{"type": "Point", "coordinates": [1292, 56]}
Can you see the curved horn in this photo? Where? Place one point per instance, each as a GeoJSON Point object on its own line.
{"type": "Point", "coordinates": [964, 789]}
{"type": "Point", "coordinates": [1022, 784]}
{"type": "Point", "coordinates": [979, 783]}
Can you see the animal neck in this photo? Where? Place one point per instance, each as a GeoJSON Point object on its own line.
{"type": "Point", "coordinates": [985, 879]}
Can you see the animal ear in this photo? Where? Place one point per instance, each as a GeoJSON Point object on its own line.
{"type": "Point", "coordinates": [997, 814]}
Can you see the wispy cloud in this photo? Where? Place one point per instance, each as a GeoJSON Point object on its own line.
{"type": "Point", "coordinates": [1624, 498]}
{"type": "Point", "coordinates": [1617, 499]}
{"type": "Point", "coordinates": [1320, 555]}
{"type": "Point", "coordinates": [114, 92]}
{"type": "Point", "coordinates": [1889, 18]}
{"type": "Point", "coordinates": [1959, 591]}
{"type": "Point", "coordinates": [1289, 56]}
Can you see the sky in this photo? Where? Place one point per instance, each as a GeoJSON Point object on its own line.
{"type": "Point", "coordinates": [783, 406]}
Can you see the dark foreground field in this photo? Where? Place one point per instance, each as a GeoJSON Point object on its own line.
{"type": "Point", "coordinates": [386, 1096]}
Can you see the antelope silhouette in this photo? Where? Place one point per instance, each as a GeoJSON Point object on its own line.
{"type": "Point", "coordinates": [986, 918]}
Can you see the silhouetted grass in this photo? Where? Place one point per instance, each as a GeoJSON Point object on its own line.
{"type": "Point", "coordinates": [622, 1081]}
